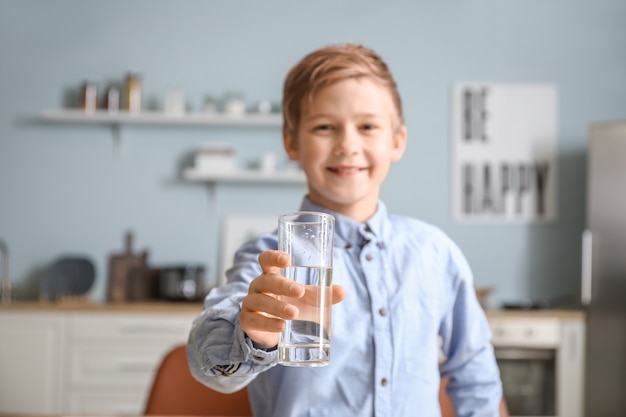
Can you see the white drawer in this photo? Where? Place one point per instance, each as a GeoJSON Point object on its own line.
{"type": "Point", "coordinates": [96, 327]}
{"type": "Point", "coordinates": [521, 332]}
{"type": "Point", "coordinates": [112, 402]}
{"type": "Point", "coordinates": [113, 365]}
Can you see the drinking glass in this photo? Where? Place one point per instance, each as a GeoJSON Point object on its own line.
{"type": "Point", "coordinates": [308, 239]}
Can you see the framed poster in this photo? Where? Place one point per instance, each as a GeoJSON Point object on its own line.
{"type": "Point", "coordinates": [237, 230]}
{"type": "Point", "coordinates": [504, 153]}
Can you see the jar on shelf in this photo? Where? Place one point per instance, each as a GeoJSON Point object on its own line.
{"type": "Point", "coordinates": [233, 103]}
{"type": "Point", "coordinates": [89, 96]}
{"type": "Point", "coordinates": [210, 104]}
{"type": "Point", "coordinates": [174, 102]}
{"type": "Point", "coordinates": [262, 107]}
{"type": "Point", "coordinates": [112, 99]}
{"type": "Point", "coordinates": [132, 93]}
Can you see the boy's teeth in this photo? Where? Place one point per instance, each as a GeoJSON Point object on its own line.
{"type": "Point", "coordinates": [346, 170]}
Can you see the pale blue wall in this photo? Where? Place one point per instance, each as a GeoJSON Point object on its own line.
{"type": "Point", "coordinates": [62, 191]}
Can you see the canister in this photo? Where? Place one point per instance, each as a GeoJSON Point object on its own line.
{"type": "Point", "coordinates": [132, 93]}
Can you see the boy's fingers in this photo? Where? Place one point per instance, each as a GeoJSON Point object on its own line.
{"type": "Point", "coordinates": [313, 293]}
{"type": "Point", "coordinates": [266, 306]}
{"type": "Point", "coordinates": [257, 323]}
{"type": "Point", "coordinates": [271, 260]}
{"type": "Point", "coordinates": [339, 293]}
{"type": "Point", "coordinates": [272, 283]}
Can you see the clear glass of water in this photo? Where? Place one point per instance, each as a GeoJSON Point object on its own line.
{"type": "Point", "coordinates": [308, 237]}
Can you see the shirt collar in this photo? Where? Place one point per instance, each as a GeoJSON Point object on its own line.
{"type": "Point", "coordinates": [349, 232]}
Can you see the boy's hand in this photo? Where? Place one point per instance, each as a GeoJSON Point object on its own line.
{"type": "Point", "coordinates": [263, 315]}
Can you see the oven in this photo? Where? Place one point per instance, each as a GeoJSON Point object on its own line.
{"type": "Point", "coordinates": [528, 380]}
{"type": "Point", "coordinates": [541, 361]}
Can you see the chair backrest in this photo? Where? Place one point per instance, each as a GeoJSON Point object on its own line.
{"type": "Point", "coordinates": [176, 392]}
{"type": "Point", "coordinates": [447, 409]}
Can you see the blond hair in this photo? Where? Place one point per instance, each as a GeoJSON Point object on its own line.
{"type": "Point", "coordinates": [329, 65]}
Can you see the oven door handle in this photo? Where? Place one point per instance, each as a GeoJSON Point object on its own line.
{"type": "Point", "coordinates": [521, 354]}
{"type": "Point", "coordinates": [586, 268]}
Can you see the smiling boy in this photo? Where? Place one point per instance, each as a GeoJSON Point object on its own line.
{"type": "Point", "coordinates": [401, 285]}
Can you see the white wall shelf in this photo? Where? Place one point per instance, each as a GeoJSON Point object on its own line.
{"type": "Point", "coordinates": [115, 120]}
{"type": "Point", "coordinates": [248, 176]}
{"type": "Point", "coordinates": [159, 118]}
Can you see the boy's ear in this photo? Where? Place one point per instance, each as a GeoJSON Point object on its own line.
{"type": "Point", "coordinates": [291, 145]}
{"type": "Point", "coordinates": [399, 144]}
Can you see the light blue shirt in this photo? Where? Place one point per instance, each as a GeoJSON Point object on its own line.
{"type": "Point", "coordinates": [407, 284]}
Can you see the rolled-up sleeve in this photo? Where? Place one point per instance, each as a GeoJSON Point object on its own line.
{"type": "Point", "coordinates": [219, 354]}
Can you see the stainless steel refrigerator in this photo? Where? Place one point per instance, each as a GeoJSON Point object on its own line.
{"type": "Point", "coordinates": [604, 271]}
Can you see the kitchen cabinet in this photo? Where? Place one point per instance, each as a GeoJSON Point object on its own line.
{"type": "Point", "coordinates": [32, 363]}
{"type": "Point", "coordinates": [541, 355]}
{"type": "Point", "coordinates": [100, 360]}
{"type": "Point", "coordinates": [112, 358]}
{"type": "Point", "coordinates": [86, 361]}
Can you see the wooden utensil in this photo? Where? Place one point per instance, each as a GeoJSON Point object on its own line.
{"type": "Point", "coordinates": [121, 267]}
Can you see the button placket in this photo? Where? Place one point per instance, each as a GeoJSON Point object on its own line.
{"type": "Point", "coordinates": [384, 353]}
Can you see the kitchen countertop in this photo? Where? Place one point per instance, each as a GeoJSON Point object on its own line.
{"type": "Point", "coordinates": [160, 306]}
{"type": "Point", "coordinates": [560, 314]}
{"type": "Point", "coordinates": [156, 306]}
{"type": "Point", "coordinates": [68, 415]}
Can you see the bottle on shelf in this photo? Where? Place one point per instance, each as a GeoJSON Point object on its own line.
{"type": "Point", "coordinates": [112, 99]}
{"type": "Point", "coordinates": [89, 96]}
{"type": "Point", "coordinates": [132, 93]}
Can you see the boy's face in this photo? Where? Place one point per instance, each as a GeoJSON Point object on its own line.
{"type": "Point", "coordinates": [348, 136]}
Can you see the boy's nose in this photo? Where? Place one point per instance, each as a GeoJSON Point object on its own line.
{"type": "Point", "coordinates": [346, 142]}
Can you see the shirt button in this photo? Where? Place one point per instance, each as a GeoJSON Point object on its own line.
{"type": "Point", "coordinates": [369, 257]}
{"type": "Point", "coordinates": [382, 312]}
{"type": "Point", "coordinates": [348, 246]}
{"type": "Point", "coordinates": [383, 382]}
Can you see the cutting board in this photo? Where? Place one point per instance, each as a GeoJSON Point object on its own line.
{"type": "Point", "coordinates": [121, 267]}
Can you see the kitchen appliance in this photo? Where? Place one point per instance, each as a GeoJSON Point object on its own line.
{"type": "Point", "coordinates": [603, 289]}
{"type": "Point", "coordinates": [5, 281]}
{"type": "Point", "coordinates": [182, 282]}
{"type": "Point", "coordinates": [540, 355]}
{"type": "Point", "coordinates": [528, 380]}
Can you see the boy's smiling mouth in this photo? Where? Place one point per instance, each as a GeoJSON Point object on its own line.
{"type": "Point", "coordinates": [345, 170]}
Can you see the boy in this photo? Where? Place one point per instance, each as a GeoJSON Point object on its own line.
{"type": "Point", "coordinates": [404, 282]}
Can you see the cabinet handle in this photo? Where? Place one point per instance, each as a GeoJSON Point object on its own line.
{"type": "Point", "coordinates": [586, 277]}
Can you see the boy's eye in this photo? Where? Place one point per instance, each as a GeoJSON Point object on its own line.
{"type": "Point", "coordinates": [323, 127]}
{"type": "Point", "coordinates": [368, 127]}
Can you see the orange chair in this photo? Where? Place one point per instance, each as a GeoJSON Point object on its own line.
{"type": "Point", "coordinates": [176, 392]}
{"type": "Point", "coordinates": [447, 410]}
